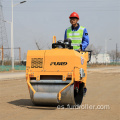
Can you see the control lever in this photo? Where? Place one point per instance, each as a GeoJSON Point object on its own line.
{"type": "Point", "coordinates": [81, 47]}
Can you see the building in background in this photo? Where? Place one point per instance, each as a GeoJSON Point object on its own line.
{"type": "Point", "coordinates": [100, 58]}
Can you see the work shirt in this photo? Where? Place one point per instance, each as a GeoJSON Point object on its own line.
{"type": "Point", "coordinates": [85, 39]}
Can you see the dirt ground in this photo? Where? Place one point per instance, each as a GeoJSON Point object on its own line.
{"type": "Point", "coordinates": [103, 89]}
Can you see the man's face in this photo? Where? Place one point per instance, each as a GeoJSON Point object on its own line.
{"type": "Point", "coordinates": [73, 20]}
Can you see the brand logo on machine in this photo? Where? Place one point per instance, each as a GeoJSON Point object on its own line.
{"type": "Point", "coordinates": [82, 60]}
{"type": "Point", "coordinates": [58, 63]}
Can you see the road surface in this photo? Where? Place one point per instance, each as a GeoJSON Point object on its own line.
{"type": "Point", "coordinates": [103, 90]}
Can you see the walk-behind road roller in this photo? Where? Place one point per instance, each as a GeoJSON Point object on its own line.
{"type": "Point", "coordinates": [57, 76]}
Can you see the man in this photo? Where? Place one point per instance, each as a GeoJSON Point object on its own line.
{"type": "Point", "coordinates": [78, 35]}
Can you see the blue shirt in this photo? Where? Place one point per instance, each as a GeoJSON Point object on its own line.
{"type": "Point", "coordinates": [85, 39]}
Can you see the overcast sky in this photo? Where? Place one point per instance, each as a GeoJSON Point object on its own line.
{"type": "Point", "coordinates": [41, 19]}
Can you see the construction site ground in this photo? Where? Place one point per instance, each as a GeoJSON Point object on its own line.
{"type": "Point", "coordinates": [103, 86]}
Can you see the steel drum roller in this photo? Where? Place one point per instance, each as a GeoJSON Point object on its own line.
{"type": "Point", "coordinates": [46, 93]}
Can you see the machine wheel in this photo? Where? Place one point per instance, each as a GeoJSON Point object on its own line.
{"type": "Point", "coordinates": [78, 96]}
{"type": "Point", "coordinates": [69, 96]}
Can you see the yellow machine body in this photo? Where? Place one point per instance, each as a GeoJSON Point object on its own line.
{"type": "Point", "coordinates": [55, 64]}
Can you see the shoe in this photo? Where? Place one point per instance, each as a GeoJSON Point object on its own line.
{"type": "Point", "coordinates": [84, 91]}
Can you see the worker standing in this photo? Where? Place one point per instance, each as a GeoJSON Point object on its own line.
{"type": "Point", "coordinates": [78, 35]}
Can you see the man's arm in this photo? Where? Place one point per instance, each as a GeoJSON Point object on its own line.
{"type": "Point", "coordinates": [85, 40]}
{"type": "Point", "coordinates": [65, 36]}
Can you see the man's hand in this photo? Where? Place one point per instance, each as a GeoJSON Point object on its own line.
{"type": "Point", "coordinates": [79, 50]}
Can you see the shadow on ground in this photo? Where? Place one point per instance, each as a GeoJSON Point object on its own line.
{"type": "Point", "coordinates": [28, 104]}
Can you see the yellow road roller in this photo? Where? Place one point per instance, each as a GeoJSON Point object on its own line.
{"type": "Point", "coordinates": [57, 76]}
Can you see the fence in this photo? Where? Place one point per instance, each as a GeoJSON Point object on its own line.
{"type": "Point", "coordinates": [9, 67]}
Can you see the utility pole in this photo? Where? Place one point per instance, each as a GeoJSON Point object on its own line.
{"type": "Point", "coordinates": [2, 56]}
{"type": "Point", "coordinates": [116, 52]}
{"type": "Point", "coordinates": [12, 40]}
{"type": "Point", "coordinates": [12, 43]}
{"type": "Point", "coordinates": [106, 50]}
{"type": "Point", "coordinates": [19, 54]}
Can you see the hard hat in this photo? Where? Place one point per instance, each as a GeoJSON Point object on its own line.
{"type": "Point", "coordinates": [74, 14]}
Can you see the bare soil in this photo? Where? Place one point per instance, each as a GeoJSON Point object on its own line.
{"type": "Point", "coordinates": [103, 89]}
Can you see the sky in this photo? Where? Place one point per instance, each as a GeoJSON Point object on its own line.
{"type": "Point", "coordinates": [39, 20]}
